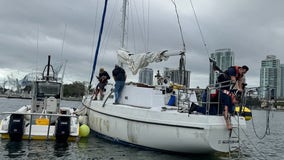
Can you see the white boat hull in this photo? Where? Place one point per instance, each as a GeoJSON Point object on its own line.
{"type": "Point", "coordinates": [162, 130]}
{"type": "Point", "coordinates": [39, 131]}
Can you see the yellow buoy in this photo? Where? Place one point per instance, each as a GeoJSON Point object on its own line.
{"type": "Point", "coordinates": [246, 112]}
{"type": "Point", "coordinates": [84, 130]}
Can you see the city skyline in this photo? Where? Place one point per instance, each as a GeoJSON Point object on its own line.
{"type": "Point", "coordinates": [224, 59]}
{"type": "Point", "coordinates": [271, 78]}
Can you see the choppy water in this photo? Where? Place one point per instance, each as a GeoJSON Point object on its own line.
{"type": "Point", "coordinates": [271, 147]}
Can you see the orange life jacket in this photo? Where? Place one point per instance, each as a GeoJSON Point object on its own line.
{"type": "Point", "coordinates": [238, 76]}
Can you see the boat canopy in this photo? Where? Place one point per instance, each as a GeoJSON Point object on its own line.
{"type": "Point", "coordinates": [141, 60]}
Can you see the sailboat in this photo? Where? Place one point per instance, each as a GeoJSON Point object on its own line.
{"type": "Point", "coordinates": [145, 118]}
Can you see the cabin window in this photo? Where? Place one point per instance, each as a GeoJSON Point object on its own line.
{"type": "Point", "coordinates": [48, 90]}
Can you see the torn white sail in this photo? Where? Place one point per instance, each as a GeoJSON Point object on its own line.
{"type": "Point", "coordinates": [137, 61]}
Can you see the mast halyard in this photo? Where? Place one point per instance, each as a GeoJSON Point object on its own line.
{"type": "Point", "coordinates": [123, 26]}
{"type": "Point", "coordinates": [123, 21]}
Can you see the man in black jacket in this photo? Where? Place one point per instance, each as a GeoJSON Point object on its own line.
{"type": "Point", "coordinates": [119, 76]}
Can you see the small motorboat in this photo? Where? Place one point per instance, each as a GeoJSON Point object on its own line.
{"type": "Point", "coordinates": [44, 118]}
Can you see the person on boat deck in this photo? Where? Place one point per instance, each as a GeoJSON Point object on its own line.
{"type": "Point", "coordinates": [227, 105]}
{"type": "Point", "coordinates": [233, 75]}
{"type": "Point", "coordinates": [228, 101]}
{"type": "Point", "coordinates": [213, 108]}
{"type": "Point", "coordinates": [103, 80]}
{"type": "Point", "coordinates": [167, 87]}
{"type": "Point", "coordinates": [119, 76]}
{"type": "Point", "coordinates": [159, 78]}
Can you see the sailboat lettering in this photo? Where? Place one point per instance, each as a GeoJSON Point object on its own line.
{"type": "Point", "coordinates": [229, 141]}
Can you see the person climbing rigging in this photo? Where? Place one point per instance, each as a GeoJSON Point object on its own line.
{"type": "Point", "coordinates": [103, 80]}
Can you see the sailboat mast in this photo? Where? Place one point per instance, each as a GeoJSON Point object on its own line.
{"type": "Point", "coordinates": [123, 25]}
{"type": "Point", "coordinates": [98, 43]}
{"type": "Point", "coordinates": [123, 21]}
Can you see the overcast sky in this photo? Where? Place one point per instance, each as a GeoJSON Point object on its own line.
{"type": "Point", "coordinates": [68, 30]}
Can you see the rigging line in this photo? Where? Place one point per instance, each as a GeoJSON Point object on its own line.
{"type": "Point", "coordinates": [180, 29]}
{"type": "Point", "coordinates": [37, 51]}
{"type": "Point", "coordinates": [63, 41]}
{"type": "Point", "coordinates": [108, 30]}
{"type": "Point", "coordinates": [199, 28]}
{"type": "Point", "coordinates": [127, 24]}
{"type": "Point", "coordinates": [144, 27]}
{"type": "Point", "coordinates": [141, 27]}
{"type": "Point", "coordinates": [253, 144]}
{"type": "Point", "coordinates": [267, 128]}
{"type": "Point", "coordinates": [124, 11]}
{"type": "Point", "coordinates": [133, 31]}
{"type": "Point", "coordinates": [148, 25]}
{"type": "Point", "coordinates": [94, 34]}
{"type": "Point", "coordinates": [182, 61]}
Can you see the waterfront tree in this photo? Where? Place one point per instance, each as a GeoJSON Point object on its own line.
{"type": "Point", "coordinates": [76, 89]}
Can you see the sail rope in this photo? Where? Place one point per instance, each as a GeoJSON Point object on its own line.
{"type": "Point", "coordinates": [140, 24]}
{"type": "Point", "coordinates": [267, 125]}
{"type": "Point", "coordinates": [98, 44]}
{"type": "Point", "coordinates": [108, 31]}
{"type": "Point", "coordinates": [63, 42]}
{"type": "Point", "coordinates": [109, 28]}
{"type": "Point", "coordinates": [267, 132]}
{"type": "Point", "coordinates": [182, 59]}
{"type": "Point", "coordinates": [37, 54]}
{"type": "Point", "coordinates": [93, 38]}
{"type": "Point", "coordinates": [133, 36]}
{"type": "Point", "coordinates": [148, 26]}
{"type": "Point", "coordinates": [137, 25]}
{"type": "Point", "coordinates": [199, 28]}
{"type": "Point", "coordinates": [267, 128]}
{"type": "Point", "coordinates": [179, 24]}
{"type": "Point", "coordinates": [250, 141]}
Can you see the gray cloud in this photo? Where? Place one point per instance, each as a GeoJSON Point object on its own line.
{"type": "Point", "coordinates": [30, 30]}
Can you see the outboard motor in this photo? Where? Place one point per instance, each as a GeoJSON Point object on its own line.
{"type": "Point", "coordinates": [16, 127]}
{"type": "Point", "coordinates": [62, 129]}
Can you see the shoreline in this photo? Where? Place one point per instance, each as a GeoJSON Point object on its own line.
{"type": "Point", "coordinates": [63, 98]}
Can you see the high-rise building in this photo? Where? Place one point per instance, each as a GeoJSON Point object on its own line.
{"type": "Point", "coordinates": [282, 81]}
{"type": "Point", "coordinates": [176, 76]}
{"type": "Point", "coordinates": [224, 59]}
{"type": "Point", "coordinates": [270, 77]}
{"type": "Point", "coordinates": [146, 76]}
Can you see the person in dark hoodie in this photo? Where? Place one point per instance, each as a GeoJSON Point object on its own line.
{"type": "Point", "coordinates": [103, 80]}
